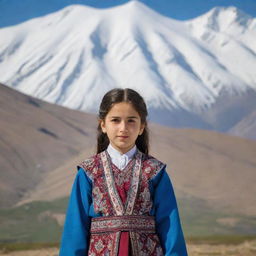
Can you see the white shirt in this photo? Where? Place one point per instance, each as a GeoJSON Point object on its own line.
{"type": "Point", "coordinates": [118, 159]}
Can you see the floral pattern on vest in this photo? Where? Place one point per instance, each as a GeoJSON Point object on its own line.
{"type": "Point", "coordinates": [122, 193]}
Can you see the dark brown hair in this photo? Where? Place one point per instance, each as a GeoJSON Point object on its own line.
{"type": "Point", "coordinates": [123, 95]}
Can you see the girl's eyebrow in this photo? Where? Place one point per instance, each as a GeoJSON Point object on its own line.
{"type": "Point", "coordinates": [120, 117]}
{"type": "Point", "coordinates": [132, 117]}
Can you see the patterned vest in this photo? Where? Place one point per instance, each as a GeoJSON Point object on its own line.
{"type": "Point", "coordinates": [123, 199]}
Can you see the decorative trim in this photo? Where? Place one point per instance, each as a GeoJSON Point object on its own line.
{"type": "Point", "coordinates": [133, 190]}
{"type": "Point", "coordinates": [113, 194]}
{"type": "Point", "coordinates": [123, 223]}
{"type": "Point", "coordinates": [117, 244]}
{"type": "Point", "coordinates": [134, 244]}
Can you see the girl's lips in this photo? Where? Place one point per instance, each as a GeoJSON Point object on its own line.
{"type": "Point", "coordinates": [123, 137]}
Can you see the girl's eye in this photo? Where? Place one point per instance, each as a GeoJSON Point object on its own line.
{"type": "Point", "coordinates": [131, 120]}
{"type": "Point", "coordinates": [114, 120]}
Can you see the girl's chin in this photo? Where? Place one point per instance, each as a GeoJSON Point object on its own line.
{"type": "Point", "coordinates": [122, 148]}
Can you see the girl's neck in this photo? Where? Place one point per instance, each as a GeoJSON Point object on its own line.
{"type": "Point", "coordinates": [122, 152]}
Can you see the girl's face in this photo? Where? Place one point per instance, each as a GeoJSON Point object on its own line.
{"type": "Point", "coordinates": [122, 125]}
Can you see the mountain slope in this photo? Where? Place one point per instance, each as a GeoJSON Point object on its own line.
{"type": "Point", "coordinates": [211, 172]}
{"type": "Point", "coordinates": [42, 143]}
{"type": "Point", "coordinates": [246, 127]}
{"type": "Point", "coordinates": [35, 138]}
{"type": "Point", "coordinates": [72, 57]}
{"type": "Point", "coordinates": [211, 167]}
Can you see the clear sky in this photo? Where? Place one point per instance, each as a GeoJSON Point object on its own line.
{"type": "Point", "coordinates": [15, 11]}
{"type": "Point", "coordinates": [187, 9]}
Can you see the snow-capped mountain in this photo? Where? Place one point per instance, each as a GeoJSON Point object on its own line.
{"type": "Point", "coordinates": [197, 73]}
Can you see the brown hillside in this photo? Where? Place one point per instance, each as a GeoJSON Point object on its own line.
{"type": "Point", "coordinates": [215, 167]}
{"type": "Point", "coordinates": [35, 138]}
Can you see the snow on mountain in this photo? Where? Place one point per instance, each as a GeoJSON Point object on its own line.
{"type": "Point", "coordinates": [185, 70]}
{"type": "Point", "coordinates": [228, 31]}
{"type": "Point", "coordinates": [246, 127]}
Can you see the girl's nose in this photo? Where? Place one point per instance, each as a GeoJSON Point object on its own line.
{"type": "Point", "coordinates": [123, 126]}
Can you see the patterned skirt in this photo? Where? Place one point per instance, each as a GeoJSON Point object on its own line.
{"type": "Point", "coordinates": [123, 236]}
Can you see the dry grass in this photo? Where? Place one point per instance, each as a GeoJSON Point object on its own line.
{"type": "Point", "coordinates": [41, 252]}
{"type": "Point", "coordinates": [247, 248]}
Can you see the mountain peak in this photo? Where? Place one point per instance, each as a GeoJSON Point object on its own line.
{"type": "Point", "coordinates": [183, 69]}
{"type": "Point", "coordinates": [220, 18]}
{"type": "Point", "coordinates": [136, 9]}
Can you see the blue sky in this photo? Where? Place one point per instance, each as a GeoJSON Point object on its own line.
{"type": "Point", "coordinates": [187, 9]}
{"type": "Point", "coordinates": [16, 11]}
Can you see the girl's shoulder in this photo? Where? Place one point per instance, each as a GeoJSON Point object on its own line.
{"type": "Point", "coordinates": [151, 166]}
{"type": "Point", "coordinates": [90, 165]}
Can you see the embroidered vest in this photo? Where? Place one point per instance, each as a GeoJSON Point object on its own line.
{"type": "Point", "coordinates": [124, 201]}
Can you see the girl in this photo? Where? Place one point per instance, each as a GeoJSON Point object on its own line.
{"type": "Point", "coordinates": [122, 201]}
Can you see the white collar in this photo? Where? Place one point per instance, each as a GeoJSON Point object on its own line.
{"type": "Point", "coordinates": [118, 159]}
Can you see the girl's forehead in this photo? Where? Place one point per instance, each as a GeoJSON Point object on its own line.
{"type": "Point", "coordinates": [123, 109]}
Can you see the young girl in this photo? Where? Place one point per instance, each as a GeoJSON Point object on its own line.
{"type": "Point", "coordinates": [122, 201]}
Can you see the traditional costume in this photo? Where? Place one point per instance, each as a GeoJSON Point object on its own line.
{"type": "Point", "coordinates": [122, 205]}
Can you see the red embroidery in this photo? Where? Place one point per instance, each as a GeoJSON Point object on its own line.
{"type": "Point", "coordinates": [101, 200]}
{"type": "Point", "coordinates": [102, 244]}
{"type": "Point", "coordinates": [123, 223]}
{"type": "Point", "coordinates": [130, 195]}
{"type": "Point", "coordinates": [144, 244]}
{"type": "Point", "coordinates": [123, 180]}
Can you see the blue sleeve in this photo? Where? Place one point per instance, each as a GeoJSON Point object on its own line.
{"type": "Point", "coordinates": [75, 236]}
{"type": "Point", "coordinates": [167, 216]}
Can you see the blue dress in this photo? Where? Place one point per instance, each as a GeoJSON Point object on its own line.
{"type": "Point", "coordinates": [81, 209]}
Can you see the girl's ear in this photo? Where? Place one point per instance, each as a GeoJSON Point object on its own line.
{"type": "Point", "coordinates": [102, 125]}
{"type": "Point", "coordinates": [141, 128]}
